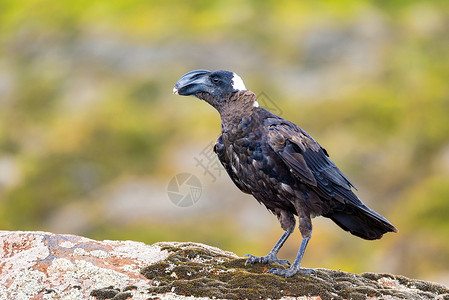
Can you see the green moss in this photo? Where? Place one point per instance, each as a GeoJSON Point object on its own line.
{"type": "Point", "coordinates": [113, 293]}
{"type": "Point", "coordinates": [105, 293]}
{"type": "Point", "coordinates": [193, 270]}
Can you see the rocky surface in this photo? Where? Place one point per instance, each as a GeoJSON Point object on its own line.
{"type": "Point", "coordinates": [40, 265]}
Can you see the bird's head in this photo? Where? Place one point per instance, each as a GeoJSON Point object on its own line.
{"type": "Point", "coordinates": [213, 87]}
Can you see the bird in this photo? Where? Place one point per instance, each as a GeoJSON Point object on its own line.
{"type": "Point", "coordinates": [281, 166]}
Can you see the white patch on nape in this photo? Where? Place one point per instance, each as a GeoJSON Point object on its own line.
{"type": "Point", "coordinates": [237, 83]}
{"type": "Point", "coordinates": [256, 104]}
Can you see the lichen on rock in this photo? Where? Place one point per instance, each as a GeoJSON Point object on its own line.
{"type": "Point", "coordinates": [42, 265]}
{"type": "Point", "coordinates": [193, 270]}
{"type": "Point", "coordinates": [45, 265]}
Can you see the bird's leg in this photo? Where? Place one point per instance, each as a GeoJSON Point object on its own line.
{"type": "Point", "coordinates": [295, 268]}
{"type": "Point", "coordinates": [305, 227]}
{"type": "Point", "coordinates": [272, 256]}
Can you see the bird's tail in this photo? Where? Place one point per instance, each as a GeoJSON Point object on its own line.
{"type": "Point", "coordinates": [362, 222]}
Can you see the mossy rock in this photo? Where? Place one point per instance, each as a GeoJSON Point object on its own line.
{"type": "Point", "coordinates": [202, 271]}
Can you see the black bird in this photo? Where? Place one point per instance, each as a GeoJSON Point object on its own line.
{"type": "Point", "coordinates": [282, 166]}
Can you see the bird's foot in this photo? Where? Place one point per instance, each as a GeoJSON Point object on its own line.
{"type": "Point", "coordinates": [291, 271]}
{"type": "Point", "coordinates": [267, 259]}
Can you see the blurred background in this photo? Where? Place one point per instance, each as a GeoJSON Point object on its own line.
{"type": "Point", "coordinates": [91, 135]}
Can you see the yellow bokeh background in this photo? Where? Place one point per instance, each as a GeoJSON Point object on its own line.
{"type": "Point", "coordinates": [90, 133]}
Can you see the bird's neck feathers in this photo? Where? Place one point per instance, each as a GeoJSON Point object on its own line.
{"type": "Point", "coordinates": [237, 106]}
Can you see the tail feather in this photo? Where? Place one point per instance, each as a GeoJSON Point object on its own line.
{"type": "Point", "coordinates": [362, 222]}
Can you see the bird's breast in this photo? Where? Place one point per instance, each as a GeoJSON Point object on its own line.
{"type": "Point", "coordinates": [259, 170]}
{"type": "Point", "coordinates": [251, 159]}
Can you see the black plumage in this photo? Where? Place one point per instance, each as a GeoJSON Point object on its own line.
{"type": "Point", "coordinates": [282, 166]}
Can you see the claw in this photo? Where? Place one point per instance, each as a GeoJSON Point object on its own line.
{"type": "Point", "coordinates": [268, 259]}
{"type": "Point", "coordinates": [252, 259]}
{"type": "Point", "coordinates": [291, 271]}
{"type": "Point", "coordinates": [249, 257]}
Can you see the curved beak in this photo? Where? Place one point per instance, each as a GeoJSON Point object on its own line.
{"type": "Point", "coordinates": [192, 83]}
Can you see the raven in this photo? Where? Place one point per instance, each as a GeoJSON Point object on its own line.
{"type": "Point", "coordinates": [281, 165]}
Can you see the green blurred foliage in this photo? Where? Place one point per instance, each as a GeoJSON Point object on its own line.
{"type": "Point", "coordinates": [388, 129]}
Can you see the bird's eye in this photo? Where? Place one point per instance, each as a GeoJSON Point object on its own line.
{"type": "Point", "coordinates": [215, 80]}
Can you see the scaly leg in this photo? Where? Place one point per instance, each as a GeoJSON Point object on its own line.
{"type": "Point", "coordinates": [272, 256]}
{"type": "Point", "coordinates": [295, 268]}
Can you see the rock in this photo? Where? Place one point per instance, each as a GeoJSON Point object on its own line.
{"type": "Point", "coordinates": [42, 265]}
{"type": "Point", "coordinates": [46, 265]}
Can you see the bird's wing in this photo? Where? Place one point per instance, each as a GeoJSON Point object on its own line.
{"type": "Point", "coordinates": [309, 161]}
{"type": "Point", "coordinates": [219, 149]}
